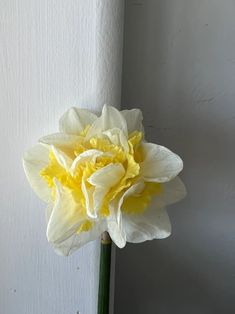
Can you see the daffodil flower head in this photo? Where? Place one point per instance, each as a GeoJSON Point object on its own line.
{"type": "Point", "coordinates": [99, 174]}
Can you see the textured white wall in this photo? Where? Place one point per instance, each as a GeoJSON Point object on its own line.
{"type": "Point", "coordinates": [53, 55]}
{"type": "Point", "coordinates": [179, 68]}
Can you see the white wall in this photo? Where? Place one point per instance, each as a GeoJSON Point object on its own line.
{"type": "Point", "coordinates": [179, 68]}
{"type": "Point", "coordinates": [53, 55]}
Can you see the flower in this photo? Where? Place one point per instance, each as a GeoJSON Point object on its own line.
{"type": "Point", "coordinates": [99, 174]}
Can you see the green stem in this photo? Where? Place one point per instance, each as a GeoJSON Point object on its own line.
{"type": "Point", "coordinates": [104, 280]}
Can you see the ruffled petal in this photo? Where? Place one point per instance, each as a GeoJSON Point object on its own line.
{"type": "Point", "coordinates": [88, 155]}
{"type": "Point", "coordinates": [75, 120]}
{"type": "Point", "coordinates": [103, 180]}
{"type": "Point", "coordinates": [66, 216]}
{"type": "Point", "coordinates": [117, 137]}
{"type": "Point", "coordinates": [34, 160]}
{"type": "Point", "coordinates": [64, 142]}
{"type": "Point", "coordinates": [160, 164]}
{"type": "Point", "coordinates": [94, 194]}
{"type": "Point", "coordinates": [62, 159]}
{"type": "Point", "coordinates": [109, 119]}
{"type": "Point", "coordinates": [154, 223]}
{"type": "Point", "coordinates": [88, 195]}
{"type": "Point", "coordinates": [107, 176]}
{"type": "Point", "coordinates": [133, 119]}
{"type": "Point", "coordinates": [114, 220]}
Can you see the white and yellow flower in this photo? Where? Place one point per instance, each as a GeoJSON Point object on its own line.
{"type": "Point", "coordinates": [99, 174]}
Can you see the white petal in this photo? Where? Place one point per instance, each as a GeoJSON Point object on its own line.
{"type": "Point", "coordinates": [117, 232]}
{"type": "Point", "coordinates": [66, 216]}
{"type": "Point", "coordinates": [49, 210]}
{"type": "Point", "coordinates": [76, 241]}
{"type": "Point", "coordinates": [61, 139]}
{"type": "Point", "coordinates": [109, 119]}
{"type": "Point", "coordinates": [160, 164]}
{"type": "Point", "coordinates": [88, 194]}
{"type": "Point", "coordinates": [115, 226]}
{"type": "Point", "coordinates": [90, 154]}
{"type": "Point", "coordinates": [154, 223]}
{"type": "Point", "coordinates": [114, 220]}
{"type": "Point", "coordinates": [75, 120]}
{"type": "Point", "coordinates": [64, 142]}
{"type": "Point", "coordinates": [117, 137]}
{"type": "Point", "coordinates": [62, 159]}
{"type": "Point", "coordinates": [98, 196]}
{"type": "Point", "coordinates": [103, 180]}
{"type": "Point", "coordinates": [107, 176]}
{"type": "Point", "coordinates": [34, 160]}
{"type": "Point", "coordinates": [173, 191]}
{"type": "Point", "coordinates": [133, 119]}
{"type": "Point", "coordinates": [134, 189]}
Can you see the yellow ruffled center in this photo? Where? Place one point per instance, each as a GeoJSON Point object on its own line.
{"type": "Point", "coordinates": [116, 154]}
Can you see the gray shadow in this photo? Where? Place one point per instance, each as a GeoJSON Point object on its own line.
{"type": "Point", "coordinates": [176, 70]}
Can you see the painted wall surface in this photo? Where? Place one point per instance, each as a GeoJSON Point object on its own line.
{"type": "Point", "coordinates": [179, 68]}
{"type": "Point", "coordinates": [53, 55]}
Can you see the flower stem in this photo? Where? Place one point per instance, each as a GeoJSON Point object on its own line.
{"type": "Point", "coordinates": [104, 280]}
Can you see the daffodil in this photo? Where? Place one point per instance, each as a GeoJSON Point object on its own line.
{"type": "Point", "coordinates": [99, 174]}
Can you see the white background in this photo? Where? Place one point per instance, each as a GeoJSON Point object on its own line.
{"type": "Point", "coordinates": [53, 55]}
{"type": "Point", "coordinates": [179, 67]}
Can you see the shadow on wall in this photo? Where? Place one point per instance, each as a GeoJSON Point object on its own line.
{"type": "Point", "coordinates": [178, 70]}
{"type": "Point", "coordinates": [152, 279]}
